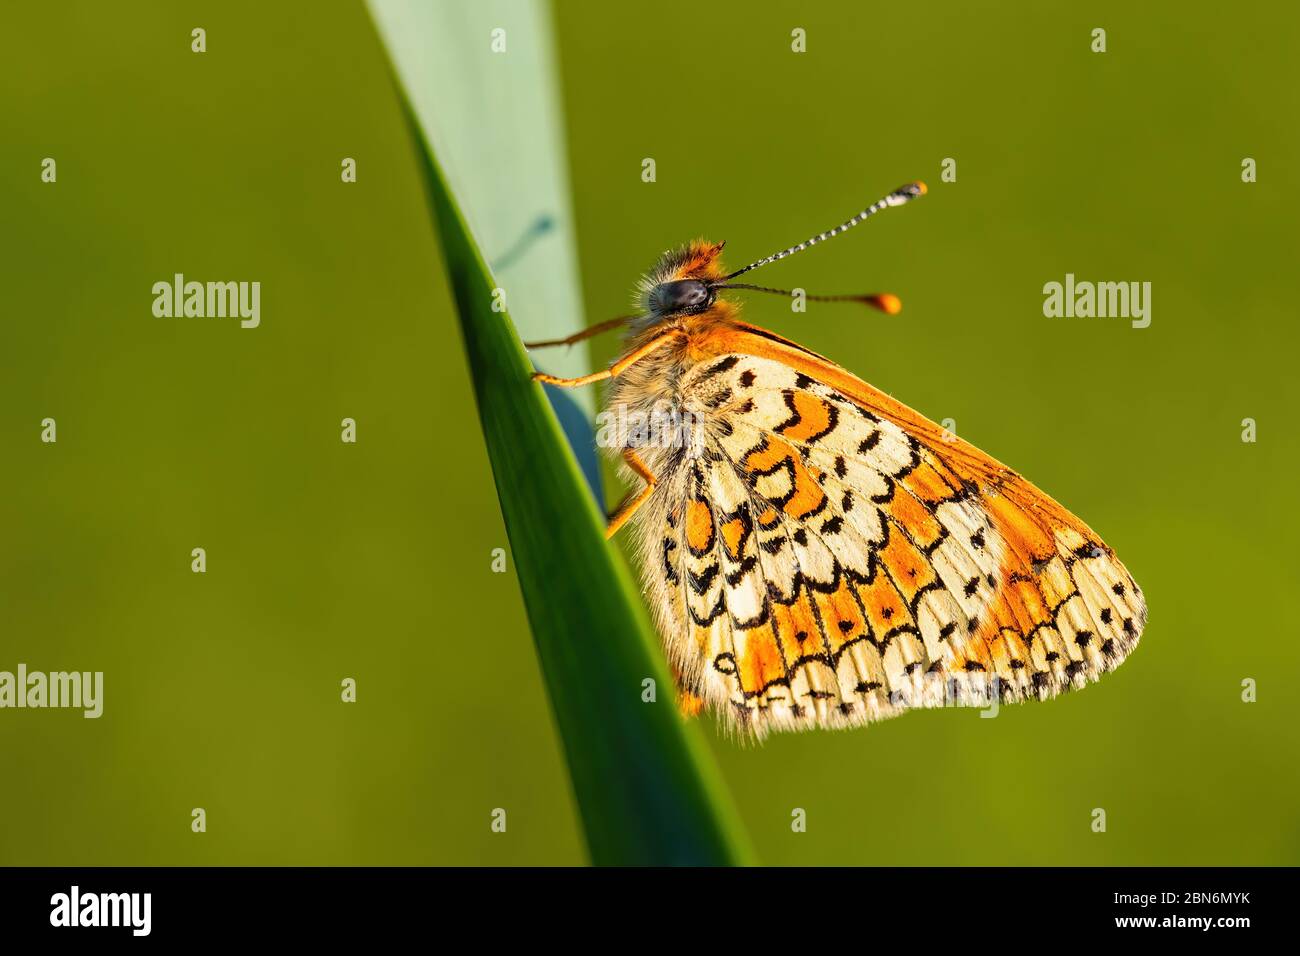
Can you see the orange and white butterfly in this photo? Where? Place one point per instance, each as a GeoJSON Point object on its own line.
{"type": "Point", "coordinates": [818, 554]}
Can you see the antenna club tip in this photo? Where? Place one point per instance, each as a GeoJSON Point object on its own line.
{"type": "Point", "coordinates": [920, 187]}
{"type": "Point", "coordinates": [887, 303]}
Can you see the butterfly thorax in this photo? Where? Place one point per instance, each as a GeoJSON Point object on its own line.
{"type": "Point", "coordinates": [654, 409]}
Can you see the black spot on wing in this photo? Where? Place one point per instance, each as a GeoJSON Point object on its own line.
{"type": "Point", "coordinates": [670, 572]}
{"type": "Point", "coordinates": [700, 583]}
{"type": "Point", "coordinates": [717, 368]}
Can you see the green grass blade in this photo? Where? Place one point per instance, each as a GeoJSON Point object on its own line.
{"type": "Point", "coordinates": [646, 788]}
{"type": "Point", "coordinates": [646, 793]}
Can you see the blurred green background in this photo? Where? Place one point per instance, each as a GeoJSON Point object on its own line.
{"type": "Point", "coordinates": [372, 561]}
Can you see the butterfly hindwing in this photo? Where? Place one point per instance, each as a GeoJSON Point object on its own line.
{"type": "Point", "coordinates": [831, 558]}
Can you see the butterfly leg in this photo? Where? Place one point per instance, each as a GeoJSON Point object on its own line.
{"type": "Point", "coordinates": [586, 333]}
{"type": "Point", "coordinates": [629, 507]}
{"type": "Point", "coordinates": [618, 368]}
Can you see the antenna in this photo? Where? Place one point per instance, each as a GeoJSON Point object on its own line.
{"type": "Point", "coordinates": [886, 302]}
{"type": "Point", "coordinates": [899, 196]}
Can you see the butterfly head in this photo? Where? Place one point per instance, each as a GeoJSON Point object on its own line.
{"type": "Point", "coordinates": [683, 281]}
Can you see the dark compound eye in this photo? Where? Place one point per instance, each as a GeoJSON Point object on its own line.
{"type": "Point", "coordinates": [684, 295]}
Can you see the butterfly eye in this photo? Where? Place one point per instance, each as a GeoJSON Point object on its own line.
{"type": "Point", "coordinates": [684, 295]}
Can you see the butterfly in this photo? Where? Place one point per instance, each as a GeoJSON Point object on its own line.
{"type": "Point", "coordinates": [816, 553]}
